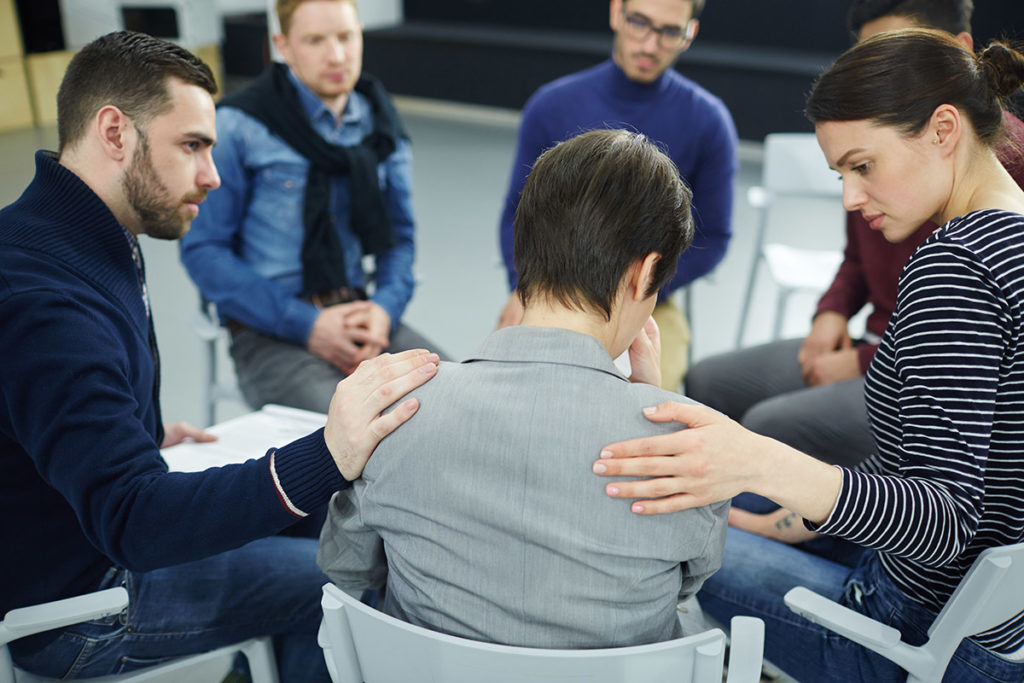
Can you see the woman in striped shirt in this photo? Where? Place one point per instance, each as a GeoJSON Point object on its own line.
{"type": "Point", "coordinates": [909, 119]}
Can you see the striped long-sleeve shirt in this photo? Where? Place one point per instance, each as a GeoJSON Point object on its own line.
{"type": "Point", "coordinates": [945, 397]}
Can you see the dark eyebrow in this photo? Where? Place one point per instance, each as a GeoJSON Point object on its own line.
{"type": "Point", "coordinates": [842, 159]}
{"type": "Point", "coordinates": [202, 137]}
{"type": "Point", "coordinates": [646, 18]}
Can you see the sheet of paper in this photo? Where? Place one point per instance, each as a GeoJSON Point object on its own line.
{"type": "Point", "coordinates": [244, 438]}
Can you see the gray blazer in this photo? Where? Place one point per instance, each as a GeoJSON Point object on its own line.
{"type": "Point", "coordinates": [484, 517]}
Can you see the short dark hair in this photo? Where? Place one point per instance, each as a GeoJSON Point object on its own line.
{"type": "Point", "coordinates": [698, 7]}
{"type": "Point", "coordinates": [591, 208]}
{"type": "Point", "coordinates": [129, 71]}
{"type": "Point", "coordinates": [899, 78]}
{"type": "Point", "coordinates": [953, 16]}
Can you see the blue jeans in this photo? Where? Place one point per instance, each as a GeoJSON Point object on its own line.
{"type": "Point", "coordinates": [757, 572]}
{"type": "Point", "coordinates": [269, 587]}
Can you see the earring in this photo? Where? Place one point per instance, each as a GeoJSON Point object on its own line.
{"type": "Point", "coordinates": [935, 141]}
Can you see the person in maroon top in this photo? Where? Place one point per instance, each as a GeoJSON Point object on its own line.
{"type": "Point", "coordinates": [809, 393]}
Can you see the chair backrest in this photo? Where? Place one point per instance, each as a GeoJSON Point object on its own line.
{"type": "Point", "coordinates": [794, 165]}
{"type": "Point", "coordinates": [991, 592]}
{"type": "Point", "coordinates": [363, 644]}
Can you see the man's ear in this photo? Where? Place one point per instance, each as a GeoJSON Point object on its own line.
{"type": "Point", "coordinates": [115, 132]}
{"type": "Point", "coordinates": [281, 43]}
{"type": "Point", "coordinates": [692, 28]}
{"type": "Point", "coordinates": [642, 275]}
{"type": "Point", "coordinates": [614, 14]}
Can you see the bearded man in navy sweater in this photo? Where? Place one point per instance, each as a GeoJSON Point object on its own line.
{"type": "Point", "coordinates": [86, 499]}
{"type": "Point", "coordinates": [637, 89]}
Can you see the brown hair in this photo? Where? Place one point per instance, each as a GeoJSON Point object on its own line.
{"type": "Point", "coordinates": [949, 15]}
{"type": "Point", "coordinates": [286, 8]}
{"type": "Point", "coordinates": [899, 78]}
{"type": "Point", "coordinates": [591, 208]}
{"type": "Point", "coordinates": [129, 71]}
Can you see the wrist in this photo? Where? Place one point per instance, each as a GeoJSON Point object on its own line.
{"type": "Point", "coordinates": [797, 481]}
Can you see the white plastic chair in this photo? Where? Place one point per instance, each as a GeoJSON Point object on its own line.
{"type": "Point", "coordinates": [215, 389]}
{"type": "Point", "coordinates": [990, 593]}
{"type": "Point", "coordinates": [363, 644]}
{"type": "Point", "coordinates": [794, 168]}
{"type": "Point", "coordinates": [208, 666]}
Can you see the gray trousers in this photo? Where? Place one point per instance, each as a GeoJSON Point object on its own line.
{"type": "Point", "coordinates": [272, 370]}
{"type": "Point", "coordinates": [761, 388]}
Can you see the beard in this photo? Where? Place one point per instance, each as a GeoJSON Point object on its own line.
{"type": "Point", "coordinates": [160, 216]}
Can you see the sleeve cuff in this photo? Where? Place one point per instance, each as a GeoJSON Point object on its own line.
{"type": "Point", "coordinates": [304, 474]}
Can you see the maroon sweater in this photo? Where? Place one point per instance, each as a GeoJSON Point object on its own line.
{"type": "Point", "coordinates": [871, 265]}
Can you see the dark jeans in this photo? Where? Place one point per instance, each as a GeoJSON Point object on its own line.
{"type": "Point", "coordinates": [270, 587]}
{"type": "Point", "coordinates": [757, 572]}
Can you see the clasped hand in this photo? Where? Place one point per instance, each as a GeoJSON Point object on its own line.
{"type": "Point", "coordinates": [347, 334]}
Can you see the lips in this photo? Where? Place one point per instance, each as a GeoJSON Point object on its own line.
{"type": "Point", "coordinates": [875, 221]}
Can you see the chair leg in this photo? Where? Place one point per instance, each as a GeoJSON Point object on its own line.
{"type": "Point", "coordinates": [260, 654]}
{"type": "Point", "coordinates": [780, 312]}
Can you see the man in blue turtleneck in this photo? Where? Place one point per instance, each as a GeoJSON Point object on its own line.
{"type": "Point", "coordinates": [638, 90]}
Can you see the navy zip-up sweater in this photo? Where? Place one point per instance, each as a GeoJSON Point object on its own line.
{"type": "Point", "coordinates": [82, 484]}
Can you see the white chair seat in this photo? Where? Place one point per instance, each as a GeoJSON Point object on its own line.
{"type": "Point", "coordinates": [801, 269]}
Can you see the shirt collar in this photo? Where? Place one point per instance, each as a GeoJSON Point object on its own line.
{"type": "Point", "coordinates": [527, 344]}
{"type": "Point", "coordinates": [316, 109]}
{"type": "Point", "coordinates": [625, 89]}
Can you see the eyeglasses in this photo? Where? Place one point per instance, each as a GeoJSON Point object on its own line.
{"type": "Point", "coordinates": [638, 27]}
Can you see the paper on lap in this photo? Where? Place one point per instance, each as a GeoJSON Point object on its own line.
{"type": "Point", "coordinates": [244, 438]}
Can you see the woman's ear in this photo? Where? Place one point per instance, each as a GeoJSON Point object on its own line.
{"type": "Point", "coordinates": [945, 127]}
{"type": "Point", "coordinates": [643, 274]}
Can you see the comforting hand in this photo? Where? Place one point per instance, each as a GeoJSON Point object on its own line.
{"type": "Point", "coordinates": [711, 461]}
{"type": "Point", "coordinates": [780, 525]}
{"type": "Point", "coordinates": [836, 366]}
{"type": "Point", "coordinates": [714, 460]}
{"type": "Point", "coordinates": [645, 355]}
{"type": "Point", "coordinates": [828, 333]}
{"type": "Point", "coordinates": [512, 314]}
{"type": "Point", "coordinates": [176, 432]}
{"type": "Point", "coordinates": [337, 339]}
{"type": "Point", "coordinates": [355, 424]}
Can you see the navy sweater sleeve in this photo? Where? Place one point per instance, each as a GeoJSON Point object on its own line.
{"type": "Point", "coordinates": [72, 404]}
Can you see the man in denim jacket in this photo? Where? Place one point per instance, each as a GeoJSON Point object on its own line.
{"type": "Point", "coordinates": [316, 173]}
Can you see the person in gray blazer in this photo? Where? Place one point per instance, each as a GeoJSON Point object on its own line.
{"type": "Point", "coordinates": [482, 515]}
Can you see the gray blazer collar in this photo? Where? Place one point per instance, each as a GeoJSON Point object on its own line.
{"type": "Point", "coordinates": [525, 344]}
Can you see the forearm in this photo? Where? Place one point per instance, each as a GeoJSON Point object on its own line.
{"type": "Point", "coordinates": [796, 481]}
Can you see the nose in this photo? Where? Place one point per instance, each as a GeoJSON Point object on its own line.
{"type": "Point", "coordinates": [853, 194]}
{"type": "Point", "coordinates": [650, 43]}
{"type": "Point", "coordinates": [337, 54]}
{"type": "Point", "coordinates": [208, 178]}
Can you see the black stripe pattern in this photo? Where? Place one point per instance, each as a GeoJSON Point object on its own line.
{"type": "Point", "coordinates": [945, 397]}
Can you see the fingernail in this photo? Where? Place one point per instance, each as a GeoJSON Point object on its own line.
{"type": "Point", "coordinates": [599, 468]}
{"type": "Point", "coordinates": [428, 369]}
{"type": "Point", "coordinates": [650, 411]}
{"type": "Point", "coordinates": [637, 507]}
{"type": "Point", "coordinates": [612, 490]}
{"type": "Point", "coordinates": [606, 454]}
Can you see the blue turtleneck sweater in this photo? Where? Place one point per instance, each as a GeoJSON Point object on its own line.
{"type": "Point", "coordinates": [82, 484]}
{"type": "Point", "coordinates": [694, 126]}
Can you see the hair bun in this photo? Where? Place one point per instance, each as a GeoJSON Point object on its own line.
{"type": "Point", "coordinates": [1003, 67]}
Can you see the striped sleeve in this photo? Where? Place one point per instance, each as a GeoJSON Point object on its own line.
{"type": "Point", "coordinates": [932, 413]}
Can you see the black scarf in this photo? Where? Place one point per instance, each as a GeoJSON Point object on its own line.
{"type": "Point", "coordinates": [274, 101]}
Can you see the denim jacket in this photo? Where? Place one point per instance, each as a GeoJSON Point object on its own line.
{"type": "Point", "coordinates": [244, 248]}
